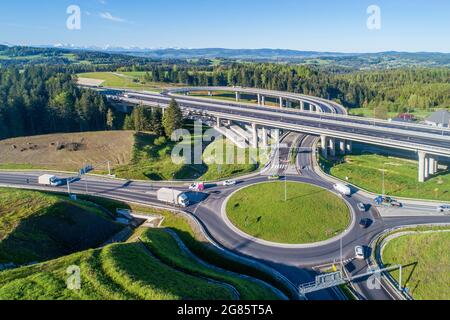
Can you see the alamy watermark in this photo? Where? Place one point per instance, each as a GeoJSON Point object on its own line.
{"type": "Point", "coordinates": [73, 22]}
{"type": "Point", "coordinates": [73, 280]}
{"type": "Point", "coordinates": [374, 19]}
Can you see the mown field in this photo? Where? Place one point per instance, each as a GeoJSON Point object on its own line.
{"type": "Point", "coordinates": [400, 177]}
{"type": "Point", "coordinates": [36, 226]}
{"type": "Point", "coordinates": [310, 214]}
{"type": "Point", "coordinates": [127, 80]}
{"type": "Point", "coordinates": [68, 151]}
{"type": "Point", "coordinates": [425, 259]}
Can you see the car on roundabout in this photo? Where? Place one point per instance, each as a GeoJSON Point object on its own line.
{"type": "Point", "coordinates": [359, 253]}
{"type": "Point", "coordinates": [273, 177]}
{"type": "Point", "coordinates": [229, 183]}
{"type": "Point", "coordinates": [361, 207]}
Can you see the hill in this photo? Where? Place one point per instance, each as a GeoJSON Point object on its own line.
{"type": "Point", "coordinates": [36, 226]}
{"type": "Point", "coordinates": [69, 151]}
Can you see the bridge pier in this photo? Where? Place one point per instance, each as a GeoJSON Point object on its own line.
{"type": "Point", "coordinates": [323, 146]}
{"type": "Point", "coordinates": [281, 103]}
{"type": "Point", "coordinates": [238, 96]}
{"type": "Point", "coordinates": [332, 147]}
{"type": "Point", "coordinates": [254, 135]}
{"type": "Point", "coordinates": [264, 137]}
{"type": "Point", "coordinates": [422, 157]}
{"type": "Point", "coordinates": [259, 99]}
{"type": "Point", "coordinates": [342, 148]}
{"type": "Point", "coordinates": [219, 121]}
{"type": "Point", "coordinates": [275, 136]}
{"type": "Point", "coordinates": [302, 106]}
{"type": "Point", "coordinates": [349, 146]}
{"type": "Point", "coordinates": [263, 101]}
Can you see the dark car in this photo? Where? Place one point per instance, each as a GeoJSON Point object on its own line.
{"type": "Point", "coordinates": [365, 223]}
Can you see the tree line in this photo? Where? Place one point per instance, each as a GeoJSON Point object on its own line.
{"type": "Point", "coordinates": [44, 99]}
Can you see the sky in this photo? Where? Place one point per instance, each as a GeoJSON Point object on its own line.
{"type": "Point", "coordinates": [313, 25]}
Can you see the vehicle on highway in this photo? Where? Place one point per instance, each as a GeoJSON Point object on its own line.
{"type": "Point", "coordinates": [359, 253]}
{"type": "Point", "coordinates": [388, 201]}
{"type": "Point", "coordinates": [343, 189]}
{"type": "Point", "coordinates": [361, 207]}
{"type": "Point", "coordinates": [197, 187]}
{"type": "Point", "coordinates": [445, 208]}
{"type": "Point", "coordinates": [173, 196]}
{"type": "Point", "coordinates": [365, 223]}
{"type": "Point", "coordinates": [274, 177]}
{"type": "Point", "coordinates": [229, 183]}
{"type": "Point", "coordinates": [49, 180]}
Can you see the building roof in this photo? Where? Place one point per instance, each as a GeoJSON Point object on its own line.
{"type": "Point", "coordinates": [440, 117]}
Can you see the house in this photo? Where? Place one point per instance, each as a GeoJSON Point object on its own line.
{"type": "Point", "coordinates": [440, 118]}
{"type": "Point", "coordinates": [405, 117]}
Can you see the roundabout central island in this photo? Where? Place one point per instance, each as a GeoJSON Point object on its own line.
{"type": "Point", "coordinates": [288, 213]}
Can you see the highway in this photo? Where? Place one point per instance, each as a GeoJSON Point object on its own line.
{"type": "Point", "coordinates": [413, 138]}
{"type": "Point", "coordinates": [296, 262]}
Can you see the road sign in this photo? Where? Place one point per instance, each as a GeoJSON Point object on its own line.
{"type": "Point", "coordinates": [329, 278]}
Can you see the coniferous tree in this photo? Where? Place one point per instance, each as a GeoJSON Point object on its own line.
{"type": "Point", "coordinates": [173, 118]}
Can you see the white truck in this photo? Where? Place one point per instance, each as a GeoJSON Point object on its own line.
{"type": "Point", "coordinates": [49, 180]}
{"type": "Point", "coordinates": [173, 196]}
{"type": "Point", "coordinates": [343, 189]}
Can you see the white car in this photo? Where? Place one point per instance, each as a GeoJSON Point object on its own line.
{"type": "Point", "coordinates": [359, 253]}
{"type": "Point", "coordinates": [229, 183]}
{"type": "Point", "coordinates": [445, 208]}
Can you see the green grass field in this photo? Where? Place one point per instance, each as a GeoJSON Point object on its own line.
{"type": "Point", "coordinates": [369, 113]}
{"type": "Point", "coordinates": [129, 80]}
{"type": "Point", "coordinates": [310, 214]}
{"type": "Point", "coordinates": [425, 259]}
{"type": "Point", "coordinates": [401, 178]}
{"type": "Point", "coordinates": [36, 226]}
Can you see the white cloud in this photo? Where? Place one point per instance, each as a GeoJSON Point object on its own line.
{"type": "Point", "coordinates": [109, 16]}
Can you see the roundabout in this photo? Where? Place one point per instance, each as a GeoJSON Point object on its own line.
{"type": "Point", "coordinates": [292, 214]}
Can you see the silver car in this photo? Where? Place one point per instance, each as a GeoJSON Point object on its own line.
{"type": "Point", "coordinates": [445, 208]}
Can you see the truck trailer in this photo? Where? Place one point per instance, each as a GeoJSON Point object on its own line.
{"type": "Point", "coordinates": [49, 180]}
{"type": "Point", "coordinates": [343, 189]}
{"type": "Point", "coordinates": [173, 196]}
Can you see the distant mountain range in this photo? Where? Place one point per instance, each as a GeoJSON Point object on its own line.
{"type": "Point", "coordinates": [389, 59]}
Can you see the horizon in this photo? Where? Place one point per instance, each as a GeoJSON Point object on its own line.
{"type": "Point", "coordinates": [352, 27]}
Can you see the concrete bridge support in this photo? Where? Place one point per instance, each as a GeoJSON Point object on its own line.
{"type": "Point", "coordinates": [281, 103]}
{"type": "Point", "coordinates": [219, 122]}
{"type": "Point", "coordinates": [238, 96]}
{"type": "Point", "coordinates": [342, 148]}
{"type": "Point", "coordinates": [323, 146]}
{"type": "Point", "coordinates": [254, 135]}
{"type": "Point", "coordinates": [349, 146]}
{"type": "Point", "coordinates": [275, 136]}
{"type": "Point", "coordinates": [302, 106]}
{"type": "Point", "coordinates": [264, 137]}
{"type": "Point", "coordinates": [332, 147]}
{"type": "Point", "coordinates": [259, 99]}
{"type": "Point", "coordinates": [263, 101]}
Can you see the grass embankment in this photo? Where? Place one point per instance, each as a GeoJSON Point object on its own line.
{"type": "Point", "coordinates": [120, 271]}
{"type": "Point", "coordinates": [310, 214]}
{"type": "Point", "coordinates": [158, 270]}
{"type": "Point", "coordinates": [128, 80]}
{"type": "Point", "coordinates": [400, 179]}
{"type": "Point", "coordinates": [36, 226]}
{"type": "Point", "coordinates": [225, 160]}
{"type": "Point", "coordinates": [425, 259]}
{"type": "Point", "coordinates": [152, 160]}
{"type": "Point", "coordinates": [165, 247]}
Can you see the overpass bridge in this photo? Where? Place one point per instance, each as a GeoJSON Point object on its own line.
{"type": "Point", "coordinates": [310, 115]}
